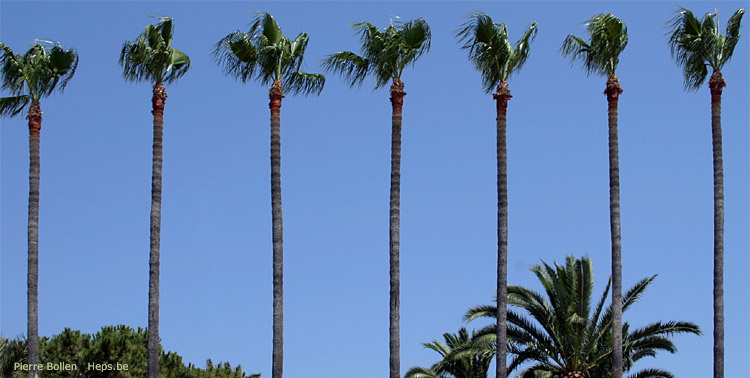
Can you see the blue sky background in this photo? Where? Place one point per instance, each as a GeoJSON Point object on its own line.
{"type": "Point", "coordinates": [216, 219]}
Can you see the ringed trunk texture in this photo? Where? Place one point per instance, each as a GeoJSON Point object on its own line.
{"type": "Point", "coordinates": [501, 97]}
{"type": "Point", "coordinates": [275, 94]}
{"type": "Point", "coordinates": [397, 102]}
{"type": "Point", "coordinates": [157, 103]}
{"type": "Point", "coordinates": [32, 299]}
{"type": "Point", "coordinates": [613, 94]}
{"type": "Point", "coordinates": [716, 84]}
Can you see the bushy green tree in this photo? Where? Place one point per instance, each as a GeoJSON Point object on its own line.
{"type": "Point", "coordinates": [98, 355]}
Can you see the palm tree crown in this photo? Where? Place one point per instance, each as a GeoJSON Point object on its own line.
{"type": "Point", "coordinates": [564, 336]}
{"type": "Point", "coordinates": [696, 44]}
{"type": "Point", "coordinates": [151, 56]}
{"type": "Point", "coordinates": [269, 55]}
{"type": "Point", "coordinates": [608, 38]}
{"type": "Point", "coordinates": [490, 50]}
{"type": "Point", "coordinates": [385, 53]}
{"type": "Point", "coordinates": [34, 75]}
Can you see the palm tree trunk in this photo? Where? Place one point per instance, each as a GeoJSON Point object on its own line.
{"type": "Point", "coordinates": [716, 84]}
{"type": "Point", "coordinates": [397, 102]}
{"type": "Point", "coordinates": [35, 126]}
{"type": "Point", "coordinates": [275, 94]}
{"type": "Point", "coordinates": [157, 102]}
{"type": "Point", "coordinates": [502, 96]}
{"type": "Point", "coordinates": [613, 94]}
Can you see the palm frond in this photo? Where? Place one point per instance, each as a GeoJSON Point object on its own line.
{"type": "Point", "coordinates": [420, 372]}
{"type": "Point", "coordinates": [13, 78]}
{"type": "Point", "coordinates": [651, 373]}
{"type": "Point", "coordinates": [62, 66]}
{"type": "Point", "coordinates": [305, 83]}
{"type": "Point", "coordinates": [352, 67]}
{"type": "Point", "coordinates": [236, 55]}
{"type": "Point", "coordinates": [732, 35]}
{"type": "Point", "coordinates": [11, 106]}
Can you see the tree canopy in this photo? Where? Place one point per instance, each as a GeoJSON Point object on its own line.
{"type": "Point", "coordinates": [696, 44]}
{"type": "Point", "coordinates": [151, 57]}
{"type": "Point", "coordinates": [264, 53]}
{"type": "Point", "coordinates": [385, 53]}
{"type": "Point", "coordinates": [109, 346]}
{"type": "Point", "coordinates": [33, 75]}
{"type": "Point", "coordinates": [490, 49]}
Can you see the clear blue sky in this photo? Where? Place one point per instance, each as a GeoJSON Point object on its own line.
{"type": "Point", "coordinates": [216, 218]}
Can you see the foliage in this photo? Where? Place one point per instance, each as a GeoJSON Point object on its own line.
{"type": "Point", "coordinates": [472, 365]}
{"type": "Point", "coordinates": [385, 53]}
{"type": "Point", "coordinates": [98, 356]}
{"type": "Point", "coordinates": [696, 44]}
{"type": "Point", "coordinates": [491, 51]}
{"type": "Point", "coordinates": [561, 333]}
{"type": "Point", "coordinates": [33, 75]}
{"type": "Point", "coordinates": [269, 55]}
{"type": "Point", "coordinates": [151, 57]}
{"type": "Point", "coordinates": [608, 38]}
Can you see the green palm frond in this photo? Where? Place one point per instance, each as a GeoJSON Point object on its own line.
{"type": "Point", "coordinates": [652, 373]}
{"type": "Point", "coordinates": [420, 372]}
{"type": "Point", "coordinates": [151, 57]}
{"type": "Point", "coordinates": [608, 37]}
{"type": "Point", "coordinates": [384, 53]}
{"type": "Point", "coordinates": [490, 49]}
{"type": "Point", "coordinates": [265, 54]}
{"type": "Point", "coordinates": [697, 44]}
{"type": "Point", "coordinates": [352, 67]}
{"type": "Point", "coordinates": [11, 106]}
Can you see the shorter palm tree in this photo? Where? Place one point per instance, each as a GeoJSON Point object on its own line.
{"type": "Point", "coordinates": [473, 364]}
{"type": "Point", "coordinates": [29, 78]}
{"type": "Point", "coordinates": [563, 336]}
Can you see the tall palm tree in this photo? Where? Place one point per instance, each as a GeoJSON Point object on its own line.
{"type": "Point", "coordinates": [608, 38]}
{"type": "Point", "coordinates": [270, 56]}
{"type": "Point", "coordinates": [468, 365]}
{"type": "Point", "coordinates": [564, 338]}
{"type": "Point", "coordinates": [496, 58]}
{"type": "Point", "coordinates": [385, 54]}
{"type": "Point", "coordinates": [697, 44]}
{"type": "Point", "coordinates": [29, 78]}
{"type": "Point", "coordinates": [151, 58]}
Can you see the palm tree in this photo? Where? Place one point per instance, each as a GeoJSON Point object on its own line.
{"type": "Point", "coordinates": [29, 78]}
{"type": "Point", "coordinates": [151, 58]}
{"type": "Point", "coordinates": [696, 44]}
{"type": "Point", "coordinates": [608, 38]}
{"type": "Point", "coordinates": [273, 58]}
{"type": "Point", "coordinates": [496, 58]}
{"type": "Point", "coordinates": [564, 338]}
{"type": "Point", "coordinates": [385, 54]}
{"type": "Point", "coordinates": [469, 365]}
